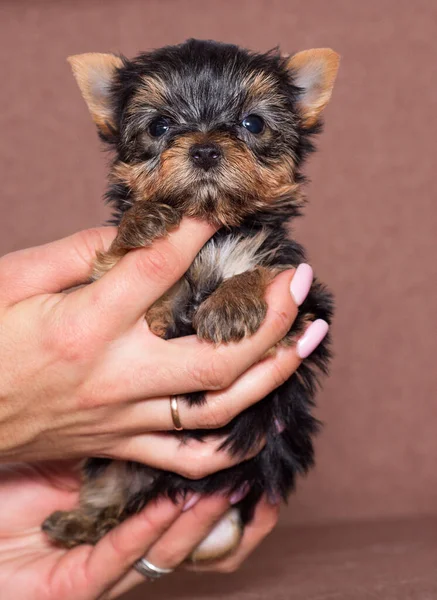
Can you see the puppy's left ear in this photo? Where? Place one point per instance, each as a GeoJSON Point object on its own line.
{"type": "Point", "coordinates": [314, 72]}
{"type": "Point", "coordinates": [94, 74]}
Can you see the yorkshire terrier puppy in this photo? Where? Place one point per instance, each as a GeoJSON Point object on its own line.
{"type": "Point", "coordinates": [213, 131]}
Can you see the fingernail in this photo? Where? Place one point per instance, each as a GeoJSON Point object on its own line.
{"type": "Point", "coordinates": [279, 426]}
{"type": "Point", "coordinates": [239, 494]}
{"type": "Point", "coordinates": [312, 338]}
{"type": "Point", "coordinates": [301, 283]}
{"type": "Point", "coordinates": [273, 498]}
{"type": "Point", "coordinates": [191, 500]}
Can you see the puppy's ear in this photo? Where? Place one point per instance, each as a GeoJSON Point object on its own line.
{"type": "Point", "coordinates": [314, 72]}
{"type": "Point", "coordinates": [94, 73]}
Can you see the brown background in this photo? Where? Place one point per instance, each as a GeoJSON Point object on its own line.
{"type": "Point", "coordinates": [370, 227]}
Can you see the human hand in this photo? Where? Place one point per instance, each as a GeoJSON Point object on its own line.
{"type": "Point", "coordinates": [32, 568]}
{"type": "Point", "coordinates": [82, 375]}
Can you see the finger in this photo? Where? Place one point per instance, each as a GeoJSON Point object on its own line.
{"type": "Point", "coordinates": [187, 532]}
{"type": "Point", "coordinates": [220, 407]}
{"type": "Point", "coordinates": [115, 554]}
{"type": "Point", "coordinates": [264, 520]}
{"type": "Point", "coordinates": [193, 459]}
{"type": "Point", "coordinates": [177, 543]}
{"type": "Point", "coordinates": [124, 293]}
{"type": "Point", "coordinates": [255, 384]}
{"type": "Point", "coordinates": [189, 364]}
{"type": "Point", "coordinates": [52, 267]}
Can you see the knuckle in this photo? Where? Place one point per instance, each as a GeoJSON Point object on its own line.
{"type": "Point", "coordinates": [149, 523]}
{"type": "Point", "coordinates": [113, 541]}
{"type": "Point", "coordinates": [280, 374]}
{"type": "Point", "coordinates": [158, 264]}
{"type": "Point", "coordinates": [280, 322]}
{"type": "Point", "coordinates": [91, 239]}
{"type": "Point", "coordinates": [199, 464]}
{"type": "Point", "coordinates": [169, 557]}
{"type": "Point", "coordinates": [213, 373]}
{"type": "Point", "coordinates": [89, 242]}
{"type": "Point", "coordinates": [70, 339]}
{"type": "Point", "coordinates": [216, 414]}
{"type": "Point", "coordinates": [67, 335]}
{"type": "Point", "coordinates": [88, 396]}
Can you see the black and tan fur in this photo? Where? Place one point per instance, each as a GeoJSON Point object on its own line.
{"type": "Point", "coordinates": [205, 90]}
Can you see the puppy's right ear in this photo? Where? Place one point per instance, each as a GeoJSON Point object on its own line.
{"type": "Point", "coordinates": [94, 74]}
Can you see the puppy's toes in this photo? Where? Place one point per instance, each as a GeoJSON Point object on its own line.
{"type": "Point", "coordinates": [68, 528]}
{"type": "Point", "coordinates": [229, 321]}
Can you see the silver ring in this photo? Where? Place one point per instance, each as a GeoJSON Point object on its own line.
{"type": "Point", "coordinates": [145, 568]}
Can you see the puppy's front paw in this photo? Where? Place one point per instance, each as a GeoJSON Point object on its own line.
{"type": "Point", "coordinates": [222, 319]}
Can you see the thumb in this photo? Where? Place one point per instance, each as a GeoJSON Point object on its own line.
{"type": "Point", "coordinates": [52, 267]}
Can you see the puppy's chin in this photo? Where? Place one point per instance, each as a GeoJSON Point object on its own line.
{"type": "Point", "coordinates": [208, 200]}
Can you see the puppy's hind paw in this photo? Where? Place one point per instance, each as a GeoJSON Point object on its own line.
{"type": "Point", "coordinates": [68, 529]}
{"type": "Point", "coordinates": [222, 540]}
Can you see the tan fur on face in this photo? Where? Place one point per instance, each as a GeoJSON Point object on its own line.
{"type": "Point", "coordinates": [136, 178]}
{"type": "Point", "coordinates": [260, 85]}
{"type": "Point", "coordinates": [240, 185]}
{"type": "Point", "coordinates": [276, 180]}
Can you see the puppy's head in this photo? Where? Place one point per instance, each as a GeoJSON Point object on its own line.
{"type": "Point", "coordinates": [212, 129]}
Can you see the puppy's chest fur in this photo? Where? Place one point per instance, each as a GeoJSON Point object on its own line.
{"type": "Point", "coordinates": [224, 258]}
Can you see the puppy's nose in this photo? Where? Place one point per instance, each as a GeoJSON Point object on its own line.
{"type": "Point", "coordinates": [205, 156]}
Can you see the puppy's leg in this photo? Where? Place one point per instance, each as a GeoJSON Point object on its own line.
{"type": "Point", "coordinates": [161, 315]}
{"type": "Point", "coordinates": [140, 226]}
{"type": "Point", "coordinates": [235, 309]}
{"type": "Point", "coordinates": [106, 500]}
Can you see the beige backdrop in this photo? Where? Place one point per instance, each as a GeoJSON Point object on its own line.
{"type": "Point", "coordinates": [370, 227]}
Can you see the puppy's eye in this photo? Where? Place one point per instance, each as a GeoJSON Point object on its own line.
{"type": "Point", "coordinates": [159, 126]}
{"type": "Point", "coordinates": [253, 123]}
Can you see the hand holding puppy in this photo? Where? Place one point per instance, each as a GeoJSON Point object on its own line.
{"type": "Point", "coordinates": [82, 375]}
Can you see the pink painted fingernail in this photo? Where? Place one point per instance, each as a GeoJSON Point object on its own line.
{"type": "Point", "coordinates": [301, 283]}
{"type": "Point", "coordinates": [191, 500]}
{"type": "Point", "coordinates": [239, 494]}
{"type": "Point", "coordinates": [279, 426]}
{"type": "Point", "coordinates": [312, 338]}
{"type": "Point", "coordinates": [274, 498]}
